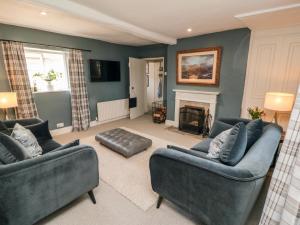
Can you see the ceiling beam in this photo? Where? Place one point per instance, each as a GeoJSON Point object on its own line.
{"type": "Point", "coordinates": [94, 15]}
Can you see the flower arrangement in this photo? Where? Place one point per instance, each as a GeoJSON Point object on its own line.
{"type": "Point", "coordinates": [255, 112]}
{"type": "Point", "coordinates": [50, 76]}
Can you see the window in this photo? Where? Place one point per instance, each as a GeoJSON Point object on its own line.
{"type": "Point", "coordinates": [47, 70]}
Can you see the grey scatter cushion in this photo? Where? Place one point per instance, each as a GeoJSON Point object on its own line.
{"type": "Point", "coordinates": [6, 157]}
{"type": "Point", "coordinates": [234, 147]}
{"type": "Point", "coordinates": [216, 144]}
{"type": "Point", "coordinates": [27, 139]}
{"type": "Point", "coordinates": [254, 131]}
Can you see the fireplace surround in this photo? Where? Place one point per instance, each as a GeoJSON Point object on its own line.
{"type": "Point", "coordinates": [203, 97]}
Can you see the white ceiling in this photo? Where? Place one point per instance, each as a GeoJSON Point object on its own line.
{"type": "Point", "coordinates": [132, 22]}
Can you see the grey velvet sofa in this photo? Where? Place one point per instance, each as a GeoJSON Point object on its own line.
{"type": "Point", "coordinates": [212, 192]}
{"type": "Point", "coordinates": [34, 188]}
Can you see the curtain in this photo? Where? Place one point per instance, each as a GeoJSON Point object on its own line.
{"type": "Point", "coordinates": [282, 206]}
{"type": "Point", "coordinates": [79, 97]}
{"type": "Point", "coordinates": [16, 69]}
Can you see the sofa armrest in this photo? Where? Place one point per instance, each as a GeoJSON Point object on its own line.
{"type": "Point", "coordinates": [23, 122]}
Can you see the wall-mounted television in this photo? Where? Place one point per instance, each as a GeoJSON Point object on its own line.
{"type": "Point", "coordinates": [104, 70]}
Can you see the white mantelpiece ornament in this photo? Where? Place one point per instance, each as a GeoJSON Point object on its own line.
{"type": "Point", "coordinates": [209, 98]}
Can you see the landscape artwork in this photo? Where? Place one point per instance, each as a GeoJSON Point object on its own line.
{"type": "Point", "coordinates": [199, 66]}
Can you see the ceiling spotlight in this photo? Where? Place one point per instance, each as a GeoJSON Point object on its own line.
{"type": "Point", "coordinates": [43, 13]}
{"type": "Point", "coordinates": [189, 30]}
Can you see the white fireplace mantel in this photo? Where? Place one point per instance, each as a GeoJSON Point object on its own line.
{"type": "Point", "coordinates": [209, 98]}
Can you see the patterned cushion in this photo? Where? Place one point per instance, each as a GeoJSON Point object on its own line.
{"type": "Point", "coordinates": [27, 139]}
{"type": "Point", "coordinates": [217, 143]}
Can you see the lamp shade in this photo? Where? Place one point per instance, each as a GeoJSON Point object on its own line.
{"type": "Point", "coordinates": [277, 101]}
{"type": "Point", "coordinates": [8, 100]}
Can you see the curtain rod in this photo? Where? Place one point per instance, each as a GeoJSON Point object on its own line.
{"type": "Point", "coordinates": [56, 46]}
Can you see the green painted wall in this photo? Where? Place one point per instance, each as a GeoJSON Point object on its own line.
{"type": "Point", "coordinates": [235, 44]}
{"type": "Point", "coordinates": [56, 106]}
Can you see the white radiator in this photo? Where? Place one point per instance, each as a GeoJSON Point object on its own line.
{"type": "Point", "coordinates": [112, 110]}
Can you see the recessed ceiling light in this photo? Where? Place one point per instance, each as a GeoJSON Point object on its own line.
{"type": "Point", "coordinates": [43, 13]}
{"type": "Point", "coordinates": [189, 30]}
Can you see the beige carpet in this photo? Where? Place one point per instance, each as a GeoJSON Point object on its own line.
{"type": "Point", "coordinates": [128, 176]}
{"type": "Point", "coordinates": [113, 208]}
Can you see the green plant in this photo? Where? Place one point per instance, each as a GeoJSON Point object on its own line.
{"type": "Point", "coordinates": [50, 76]}
{"type": "Point", "coordinates": [255, 112]}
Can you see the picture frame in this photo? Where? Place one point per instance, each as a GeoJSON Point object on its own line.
{"type": "Point", "coordinates": [199, 66]}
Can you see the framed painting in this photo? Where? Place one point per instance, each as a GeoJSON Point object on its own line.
{"type": "Point", "coordinates": [199, 66]}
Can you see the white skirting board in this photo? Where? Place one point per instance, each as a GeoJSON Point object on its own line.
{"type": "Point", "coordinates": [170, 123]}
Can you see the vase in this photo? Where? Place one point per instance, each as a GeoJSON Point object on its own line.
{"type": "Point", "coordinates": [50, 86]}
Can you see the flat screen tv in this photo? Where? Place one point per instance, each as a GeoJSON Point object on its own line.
{"type": "Point", "coordinates": [104, 70]}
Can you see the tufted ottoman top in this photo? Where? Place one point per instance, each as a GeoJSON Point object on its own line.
{"type": "Point", "coordinates": [123, 141]}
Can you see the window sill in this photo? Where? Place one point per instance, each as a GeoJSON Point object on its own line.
{"type": "Point", "coordinates": [54, 91]}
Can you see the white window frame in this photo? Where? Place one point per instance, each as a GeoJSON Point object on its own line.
{"type": "Point", "coordinates": [65, 62]}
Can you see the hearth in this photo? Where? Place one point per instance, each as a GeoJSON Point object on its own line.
{"type": "Point", "coordinates": [192, 119]}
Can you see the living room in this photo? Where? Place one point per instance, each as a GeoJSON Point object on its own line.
{"type": "Point", "coordinates": [122, 112]}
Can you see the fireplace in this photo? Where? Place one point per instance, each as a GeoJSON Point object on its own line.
{"type": "Point", "coordinates": [192, 119]}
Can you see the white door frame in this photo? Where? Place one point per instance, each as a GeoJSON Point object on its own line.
{"type": "Point", "coordinates": [163, 62]}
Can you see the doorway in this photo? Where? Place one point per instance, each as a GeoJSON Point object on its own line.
{"type": "Point", "coordinates": [154, 81]}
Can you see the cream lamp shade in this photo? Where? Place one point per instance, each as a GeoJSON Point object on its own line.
{"type": "Point", "coordinates": [8, 100]}
{"type": "Point", "coordinates": [279, 102]}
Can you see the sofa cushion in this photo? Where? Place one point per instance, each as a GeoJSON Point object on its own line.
{"type": "Point", "coordinates": [6, 157]}
{"type": "Point", "coordinates": [234, 147]}
{"type": "Point", "coordinates": [202, 146]}
{"type": "Point", "coordinates": [14, 147]}
{"type": "Point", "coordinates": [216, 144]}
{"type": "Point", "coordinates": [27, 139]}
{"type": "Point", "coordinates": [218, 127]}
{"type": "Point", "coordinates": [69, 145]}
{"type": "Point", "coordinates": [48, 145]}
{"type": "Point", "coordinates": [4, 129]}
{"type": "Point", "coordinates": [40, 130]}
{"type": "Point", "coordinates": [254, 131]}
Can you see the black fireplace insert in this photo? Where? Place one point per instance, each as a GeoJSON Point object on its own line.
{"type": "Point", "coordinates": [192, 119]}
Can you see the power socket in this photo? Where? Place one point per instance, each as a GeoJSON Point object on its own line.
{"type": "Point", "coordinates": [60, 125]}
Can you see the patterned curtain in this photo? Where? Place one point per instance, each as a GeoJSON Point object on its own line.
{"type": "Point", "coordinates": [80, 103]}
{"type": "Point", "coordinates": [16, 69]}
{"type": "Point", "coordinates": [282, 206]}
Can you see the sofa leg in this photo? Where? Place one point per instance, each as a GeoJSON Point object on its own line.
{"type": "Point", "coordinates": [159, 201]}
{"type": "Point", "coordinates": [92, 196]}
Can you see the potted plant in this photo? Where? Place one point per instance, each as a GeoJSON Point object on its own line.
{"type": "Point", "coordinates": [255, 112]}
{"type": "Point", "coordinates": [49, 77]}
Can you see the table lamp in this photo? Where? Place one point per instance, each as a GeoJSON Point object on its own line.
{"type": "Point", "coordinates": [279, 102]}
{"type": "Point", "coordinates": [8, 100]}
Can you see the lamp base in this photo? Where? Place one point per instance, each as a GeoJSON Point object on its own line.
{"type": "Point", "coordinates": [5, 114]}
{"type": "Point", "coordinates": [275, 117]}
